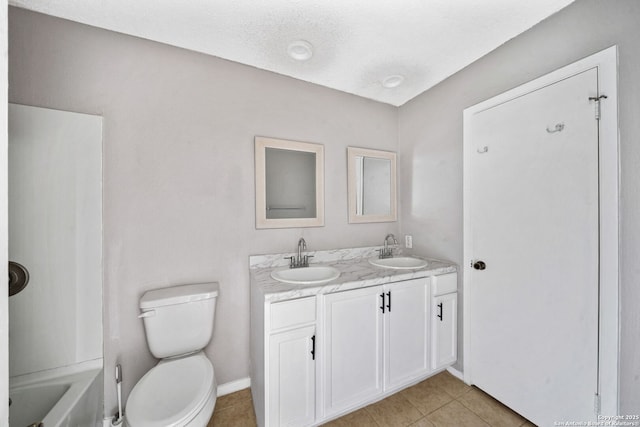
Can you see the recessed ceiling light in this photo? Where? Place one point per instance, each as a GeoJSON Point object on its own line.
{"type": "Point", "coordinates": [392, 81]}
{"type": "Point", "coordinates": [300, 50]}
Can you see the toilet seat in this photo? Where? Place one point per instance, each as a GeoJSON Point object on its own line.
{"type": "Point", "coordinates": [172, 393]}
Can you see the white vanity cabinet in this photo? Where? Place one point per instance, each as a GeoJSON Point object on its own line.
{"type": "Point", "coordinates": [374, 341]}
{"type": "Point", "coordinates": [318, 353]}
{"type": "Point", "coordinates": [351, 348]}
{"type": "Point", "coordinates": [292, 377]}
{"type": "Point", "coordinates": [406, 332]}
{"type": "Point", "coordinates": [288, 396]}
{"type": "Point", "coordinates": [444, 315]}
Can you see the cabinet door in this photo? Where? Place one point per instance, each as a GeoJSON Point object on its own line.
{"type": "Point", "coordinates": [292, 377]}
{"type": "Point", "coordinates": [352, 348]}
{"type": "Point", "coordinates": [444, 340]}
{"type": "Point", "coordinates": [406, 332]}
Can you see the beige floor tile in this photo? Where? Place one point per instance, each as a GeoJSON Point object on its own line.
{"type": "Point", "coordinates": [432, 397]}
{"type": "Point", "coordinates": [394, 411]}
{"type": "Point", "coordinates": [426, 396]}
{"type": "Point", "coordinates": [490, 410]}
{"type": "Point", "coordinates": [454, 414]}
{"type": "Point", "coordinates": [240, 414]}
{"type": "Point", "coordinates": [233, 398]}
{"type": "Point", "coordinates": [360, 418]}
{"type": "Point", "coordinates": [450, 384]}
{"type": "Point", "coordinates": [422, 422]}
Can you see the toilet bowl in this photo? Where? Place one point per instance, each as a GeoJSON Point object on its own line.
{"type": "Point", "coordinates": [180, 391]}
{"type": "Point", "coordinates": [176, 392]}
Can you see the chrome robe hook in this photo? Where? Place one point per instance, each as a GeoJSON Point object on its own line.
{"type": "Point", "coordinates": [558, 128]}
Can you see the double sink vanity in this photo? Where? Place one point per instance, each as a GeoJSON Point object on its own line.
{"type": "Point", "coordinates": [332, 331]}
{"type": "Point", "coordinates": [346, 330]}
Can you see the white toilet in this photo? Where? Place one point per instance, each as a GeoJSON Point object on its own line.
{"type": "Point", "coordinates": [180, 390]}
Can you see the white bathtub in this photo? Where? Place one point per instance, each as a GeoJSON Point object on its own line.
{"type": "Point", "coordinates": [63, 397]}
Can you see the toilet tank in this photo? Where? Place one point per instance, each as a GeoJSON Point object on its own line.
{"type": "Point", "coordinates": [179, 319]}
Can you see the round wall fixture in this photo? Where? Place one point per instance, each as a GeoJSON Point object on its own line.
{"type": "Point", "coordinates": [300, 50]}
{"type": "Point", "coordinates": [392, 81]}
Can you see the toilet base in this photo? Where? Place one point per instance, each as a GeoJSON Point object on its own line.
{"type": "Point", "coordinates": [203, 417]}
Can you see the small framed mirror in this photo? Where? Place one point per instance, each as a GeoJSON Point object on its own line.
{"type": "Point", "coordinates": [289, 183]}
{"type": "Point", "coordinates": [372, 185]}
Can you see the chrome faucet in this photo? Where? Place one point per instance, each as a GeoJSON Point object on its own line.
{"type": "Point", "coordinates": [302, 246]}
{"type": "Point", "coordinates": [387, 252]}
{"type": "Point", "coordinates": [301, 260]}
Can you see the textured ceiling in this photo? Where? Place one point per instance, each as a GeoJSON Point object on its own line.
{"type": "Point", "coordinates": [356, 43]}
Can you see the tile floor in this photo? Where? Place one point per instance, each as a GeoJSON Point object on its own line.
{"type": "Point", "coordinates": [439, 401]}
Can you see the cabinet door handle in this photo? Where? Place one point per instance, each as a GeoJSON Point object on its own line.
{"type": "Point", "coordinates": [389, 302]}
{"type": "Point", "coordinates": [440, 315]}
{"type": "Point", "coordinates": [382, 306]}
{"type": "Point", "coordinates": [313, 347]}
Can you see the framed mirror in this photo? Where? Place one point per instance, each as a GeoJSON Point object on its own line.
{"type": "Point", "coordinates": [289, 183]}
{"type": "Point", "coordinates": [372, 185]}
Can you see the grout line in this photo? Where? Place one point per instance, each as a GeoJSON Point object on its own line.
{"type": "Point", "coordinates": [424, 416]}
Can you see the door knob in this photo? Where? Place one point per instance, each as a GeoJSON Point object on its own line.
{"type": "Point", "coordinates": [18, 277]}
{"type": "Point", "coordinates": [479, 265]}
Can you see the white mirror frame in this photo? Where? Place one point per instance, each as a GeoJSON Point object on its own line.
{"type": "Point", "coordinates": [352, 153]}
{"type": "Point", "coordinates": [261, 144]}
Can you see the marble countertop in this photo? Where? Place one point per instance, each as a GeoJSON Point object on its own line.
{"type": "Point", "coordinates": [355, 272]}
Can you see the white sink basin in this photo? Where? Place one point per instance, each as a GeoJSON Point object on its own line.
{"type": "Point", "coordinates": [399, 263]}
{"type": "Point", "coordinates": [306, 275]}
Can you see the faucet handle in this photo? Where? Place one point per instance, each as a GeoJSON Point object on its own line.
{"type": "Point", "coordinates": [291, 260]}
{"type": "Point", "coordinates": [385, 252]}
{"type": "Point", "coordinates": [306, 260]}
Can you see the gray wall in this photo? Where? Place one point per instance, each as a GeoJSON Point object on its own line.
{"type": "Point", "coordinates": [178, 168]}
{"type": "Point", "coordinates": [430, 142]}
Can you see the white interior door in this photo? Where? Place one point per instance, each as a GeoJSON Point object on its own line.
{"type": "Point", "coordinates": [532, 201]}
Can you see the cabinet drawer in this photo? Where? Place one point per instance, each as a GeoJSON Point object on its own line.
{"type": "Point", "coordinates": [444, 284]}
{"type": "Point", "coordinates": [293, 312]}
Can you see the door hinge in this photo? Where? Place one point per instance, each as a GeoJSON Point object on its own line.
{"type": "Point", "coordinates": [596, 404]}
{"type": "Point", "coordinates": [597, 99]}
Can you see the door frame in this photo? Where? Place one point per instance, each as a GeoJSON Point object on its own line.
{"type": "Point", "coordinates": [4, 213]}
{"type": "Point", "coordinates": [606, 63]}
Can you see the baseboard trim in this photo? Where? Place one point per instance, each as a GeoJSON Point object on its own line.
{"type": "Point", "coordinates": [453, 371]}
{"type": "Point", "coordinates": [233, 386]}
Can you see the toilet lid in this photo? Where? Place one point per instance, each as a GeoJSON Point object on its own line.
{"type": "Point", "coordinates": [171, 393]}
